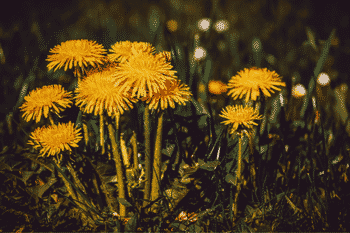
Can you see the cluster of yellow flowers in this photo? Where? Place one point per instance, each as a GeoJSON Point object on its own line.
{"type": "Point", "coordinates": [111, 83]}
{"type": "Point", "coordinates": [249, 82]}
{"type": "Point", "coordinates": [131, 72]}
{"type": "Point", "coordinates": [107, 83]}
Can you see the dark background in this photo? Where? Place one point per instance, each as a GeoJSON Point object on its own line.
{"type": "Point", "coordinates": [28, 29]}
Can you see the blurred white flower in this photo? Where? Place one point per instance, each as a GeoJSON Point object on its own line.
{"type": "Point", "coordinates": [323, 79]}
{"type": "Point", "coordinates": [298, 91]}
{"type": "Point", "coordinates": [221, 25]}
{"type": "Point", "coordinates": [204, 24]}
{"type": "Point", "coordinates": [200, 53]}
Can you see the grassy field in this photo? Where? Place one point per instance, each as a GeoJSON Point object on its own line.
{"type": "Point", "coordinates": [215, 116]}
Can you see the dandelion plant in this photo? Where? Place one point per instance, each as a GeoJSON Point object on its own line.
{"type": "Point", "coordinates": [175, 92]}
{"type": "Point", "coordinates": [143, 74]}
{"type": "Point", "coordinates": [54, 141]}
{"type": "Point", "coordinates": [240, 120]}
{"type": "Point", "coordinates": [99, 94]}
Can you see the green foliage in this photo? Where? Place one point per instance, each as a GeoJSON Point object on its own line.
{"type": "Point", "coordinates": [294, 174]}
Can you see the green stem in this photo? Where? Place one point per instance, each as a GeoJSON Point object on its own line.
{"type": "Point", "coordinates": [102, 143]}
{"type": "Point", "coordinates": [157, 161]}
{"type": "Point", "coordinates": [134, 150]}
{"type": "Point", "coordinates": [238, 173]}
{"type": "Point", "coordinates": [86, 133]}
{"type": "Point", "coordinates": [239, 157]}
{"type": "Point", "coordinates": [119, 169]}
{"type": "Point", "coordinates": [148, 173]}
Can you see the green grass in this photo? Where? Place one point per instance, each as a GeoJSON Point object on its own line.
{"type": "Point", "coordinates": [295, 179]}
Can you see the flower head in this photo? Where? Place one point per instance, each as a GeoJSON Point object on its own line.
{"type": "Point", "coordinates": [122, 51]}
{"type": "Point", "coordinates": [45, 99]}
{"type": "Point", "coordinates": [164, 55]}
{"type": "Point", "coordinates": [99, 92]}
{"type": "Point", "coordinates": [249, 81]}
{"type": "Point", "coordinates": [239, 115]}
{"type": "Point", "coordinates": [76, 52]}
{"type": "Point", "coordinates": [144, 73]}
{"type": "Point", "coordinates": [174, 92]}
{"type": "Point", "coordinates": [54, 139]}
{"type": "Point", "coordinates": [217, 87]}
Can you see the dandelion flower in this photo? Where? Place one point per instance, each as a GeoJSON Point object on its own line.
{"type": "Point", "coordinates": [174, 92]}
{"type": "Point", "coordinates": [249, 81]}
{"type": "Point", "coordinates": [54, 139]}
{"type": "Point", "coordinates": [99, 92]}
{"type": "Point", "coordinates": [239, 115]}
{"type": "Point", "coordinates": [217, 87]}
{"type": "Point", "coordinates": [164, 55]}
{"type": "Point", "coordinates": [76, 52]}
{"type": "Point", "coordinates": [122, 51]}
{"type": "Point", "coordinates": [43, 100]}
{"type": "Point", "coordinates": [144, 73]}
{"type": "Point", "coordinates": [108, 65]}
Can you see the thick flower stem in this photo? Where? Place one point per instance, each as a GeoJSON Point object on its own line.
{"type": "Point", "coordinates": [86, 133]}
{"type": "Point", "coordinates": [238, 173]}
{"type": "Point", "coordinates": [253, 172]}
{"type": "Point", "coordinates": [102, 143]}
{"type": "Point", "coordinates": [148, 173]}
{"type": "Point", "coordinates": [257, 108]}
{"type": "Point", "coordinates": [157, 160]}
{"type": "Point", "coordinates": [118, 165]}
{"type": "Point", "coordinates": [134, 150]}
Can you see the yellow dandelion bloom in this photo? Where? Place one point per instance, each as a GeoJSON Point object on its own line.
{"type": "Point", "coordinates": [122, 51]}
{"type": "Point", "coordinates": [217, 87]}
{"type": "Point", "coordinates": [108, 65]}
{"type": "Point", "coordinates": [174, 92]}
{"type": "Point", "coordinates": [99, 92]}
{"type": "Point", "coordinates": [164, 55]}
{"type": "Point", "coordinates": [77, 53]}
{"type": "Point", "coordinates": [144, 73]}
{"type": "Point", "coordinates": [41, 101]}
{"type": "Point", "coordinates": [239, 115]}
{"type": "Point", "coordinates": [54, 139]}
{"type": "Point", "coordinates": [249, 81]}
